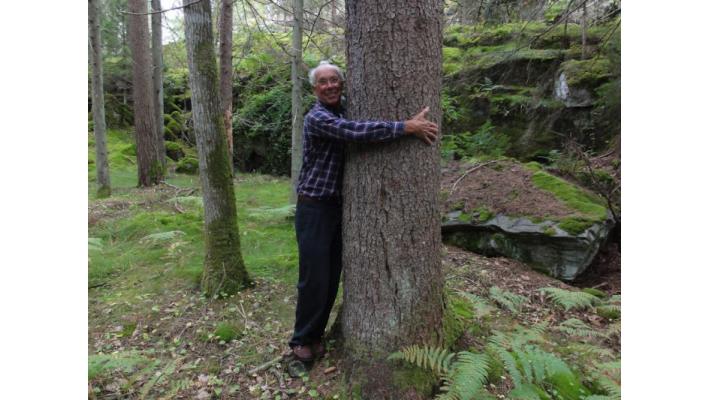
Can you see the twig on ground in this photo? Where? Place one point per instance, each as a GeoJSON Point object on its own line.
{"type": "Point", "coordinates": [265, 365]}
{"type": "Point", "coordinates": [453, 187]}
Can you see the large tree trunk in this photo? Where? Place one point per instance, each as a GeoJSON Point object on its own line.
{"type": "Point", "coordinates": [157, 51]}
{"type": "Point", "coordinates": [103, 178]}
{"type": "Point", "coordinates": [225, 72]}
{"type": "Point", "coordinates": [150, 166]}
{"type": "Point", "coordinates": [393, 284]}
{"type": "Point", "coordinates": [224, 271]}
{"type": "Point", "coordinates": [296, 97]}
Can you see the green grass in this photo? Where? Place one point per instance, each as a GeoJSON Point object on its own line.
{"type": "Point", "coordinates": [173, 250]}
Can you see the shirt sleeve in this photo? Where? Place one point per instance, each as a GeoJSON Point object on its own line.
{"type": "Point", "coordinates": [330, 126]}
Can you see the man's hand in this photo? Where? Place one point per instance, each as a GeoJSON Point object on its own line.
{"type": "Point", "coordinates": [422, 128]}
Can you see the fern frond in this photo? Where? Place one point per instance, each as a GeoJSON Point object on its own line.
{"type": "Point", "coordinates": [95, 244]}
{"type": "Point", "coordinates": [525, 392]}
{"type": "Point", "coordinates": [511, 301]}
{"type": "Point", "coordinates": [161, 237]}
{"type": "Point", "coordinates": [612, 368]}
{"type": "Point", "coordinates": [480, 305]}
{"type": "Point", "coordinates": [611, 388]}
{"type": "Point", "coordinates": [575, 327]}
{"type": "Point", "coordinates": [509, 362]}
{"type": "Point", "coordinates": [584, 349]}
{"type": "Point", "coordinates": [570, 300]}
{"type": "Point", "coordinates": [598, 397]}
{"type": "Point", "coordinates": [466, 377]}
{"type": "Point", "coordinates": [432, 358]}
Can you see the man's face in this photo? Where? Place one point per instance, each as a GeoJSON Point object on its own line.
{"type": "Point", "coordinates": [328, 86]}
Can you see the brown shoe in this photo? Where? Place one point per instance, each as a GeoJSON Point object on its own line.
{"type": "Point", "coordinates": [318, 349]}
{"type": "Point", "coordinates": [302, 353]}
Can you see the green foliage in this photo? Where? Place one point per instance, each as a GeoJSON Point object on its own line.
{"type": "Point", "coordinates": [463, 373]}
{"type": "Point", "coordinates": [589, 73]}
{"type": "Point", "coordinates": [101, 364]}
{"type": "Point", "coordinates": [575, 327]}
{"type": "Point", "coordinates": [535, 372]}
{"type": "Point", "coordinates": [95, 244]}
{"type": "Point", "coordinates": [227, 332]}
{"type": "Point", "coordinates": [511, 301]}
{"type": "Point", "coordinates": [611, 308]}
{"type": "Point", "coordinates": [486, 142]}
{"type": "Point", "coordinates": [160, 237]}
{"type": "Point", "coordinates": [570, 299]}
{"type": "Point", "coordinates": [174, 150]}
{"type": "Point", "coordinates": [266, 213]}
{"type": "Point", "coordinates": [480, 306]}
{"type": "Point", "coordinates": [188, 165]}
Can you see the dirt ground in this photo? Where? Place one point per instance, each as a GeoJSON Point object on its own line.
{"type": "Point", "coordinates": [503, 186]}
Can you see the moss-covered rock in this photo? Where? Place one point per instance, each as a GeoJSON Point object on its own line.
{"type": "Point", "coordinates": [188, 165]}
{"type": "Point", "coordinates": [174, 151]}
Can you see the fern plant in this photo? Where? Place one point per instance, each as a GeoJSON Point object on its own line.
{"type": "Point", "coordinates": [464, 373]}
{"type": "Point", "coordinates": [511, 301]}
{"type": "Point", "coordinates": [480, 306]}
{"type": "Point", "coordinates": [534, 372]}
{"type": "Point", "coordinates": [576, 327]}
{"type": "Point", "coordinates": [570, 299]}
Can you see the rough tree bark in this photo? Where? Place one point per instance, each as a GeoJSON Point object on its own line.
{"type": "Point", "coordinates": [150, 166]}
{"type": "Point", "coordinates": [296, 97]}
{"type": "Point", "coordinates": [103, 178]}
{"type": "Point", "coordinates": [225, 72]}
{"type": "Point", "coordinates": [157, 52]}
{"type": "Point", "coordinates": [393, 283]}
{"type": "Point", "coordinates": [224, 271]}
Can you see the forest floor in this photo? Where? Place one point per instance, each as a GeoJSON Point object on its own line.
{"type": "Point", "coordinates": [152, 334]}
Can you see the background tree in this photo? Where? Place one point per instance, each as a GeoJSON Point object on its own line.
{"type": "Point", "coordinates": [296, 96]}
{"type": "Point", "coordinates": [150, 161]}
{"type": "Point", "coordinates": [225, 71]}
{"type": "Point", "coordinates": [157, 53]}
{"type": "Point", "coordinates": [224, 267]}
{"type": "Point", "coordinates": [97, 101]}
{"type": "Point", "coordinates": [391, 228]}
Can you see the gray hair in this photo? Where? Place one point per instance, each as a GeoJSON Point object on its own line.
{"type": "Point", "coordinates": [321, 65]}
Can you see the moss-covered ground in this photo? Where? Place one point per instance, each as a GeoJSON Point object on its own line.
{"type": "Point", "coordinates": [153, 335]}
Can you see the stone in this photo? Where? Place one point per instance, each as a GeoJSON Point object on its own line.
{"type": "Point", "coordinates": [571, 96]}
{"type": "Point", "coordinates": [542, 245]}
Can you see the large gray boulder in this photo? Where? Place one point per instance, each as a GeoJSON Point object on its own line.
{"type": "Point", "coordinates": [543, 245]}
{"type": "Point", "coordinates": [520, 211]}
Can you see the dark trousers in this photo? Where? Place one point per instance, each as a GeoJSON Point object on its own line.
{"type": "Point", "coordinates": [320, 248]}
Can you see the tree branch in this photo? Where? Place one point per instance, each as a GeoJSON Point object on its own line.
{"type": "Point", "coordinates": [161, 11]}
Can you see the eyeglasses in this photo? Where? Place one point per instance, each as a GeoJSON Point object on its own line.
{"type": "Point", "coordinates": [332, 81]}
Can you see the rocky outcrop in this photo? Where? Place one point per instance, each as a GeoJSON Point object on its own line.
{"type": "Point", "coordinates": [543, 245]}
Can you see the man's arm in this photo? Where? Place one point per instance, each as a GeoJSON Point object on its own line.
{"type": "Point", "coordinates": [328, 125]}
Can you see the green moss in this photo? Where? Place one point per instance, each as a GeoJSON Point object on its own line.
{"type": "Point", "coordinates": [575, 226]}
{"type": "Point", "coordinates": [549, 231]}
{"type": "Point", "coordinates": [465, 217]}
{"type": "Point", "coordinates": [483, 214]}
{"type": "Point", "coordinates": [588, 73]}
{"type": "Point", "coordinates": [408, 376]}
{"type": "Point", "coordinates": [188, 165]}
{"type": "Point", "coordinates": [174, 150]}
{"type": "Point", "coordinates": [590, 206]}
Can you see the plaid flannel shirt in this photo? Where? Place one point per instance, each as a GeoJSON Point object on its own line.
{"type": "Point", "coordinates": [325, 133]}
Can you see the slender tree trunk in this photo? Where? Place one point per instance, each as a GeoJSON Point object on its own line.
{"type": "Point", "coordinates": [157, 51]}
{"type": "Point", "coordinates": [393, 283]}
{"type": "Point", "coordinates": [296, 97]}
{"type": "Point", "coordinates": [224, 271]}
{"type": "Point", "coordinates": [150, 166]}
{"type": "Point", "coordinates": [584, 29]}
{"type": "Point", "coordinates": [103, 178]}
{"type": "Point", "coordinates": [225, 72]}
